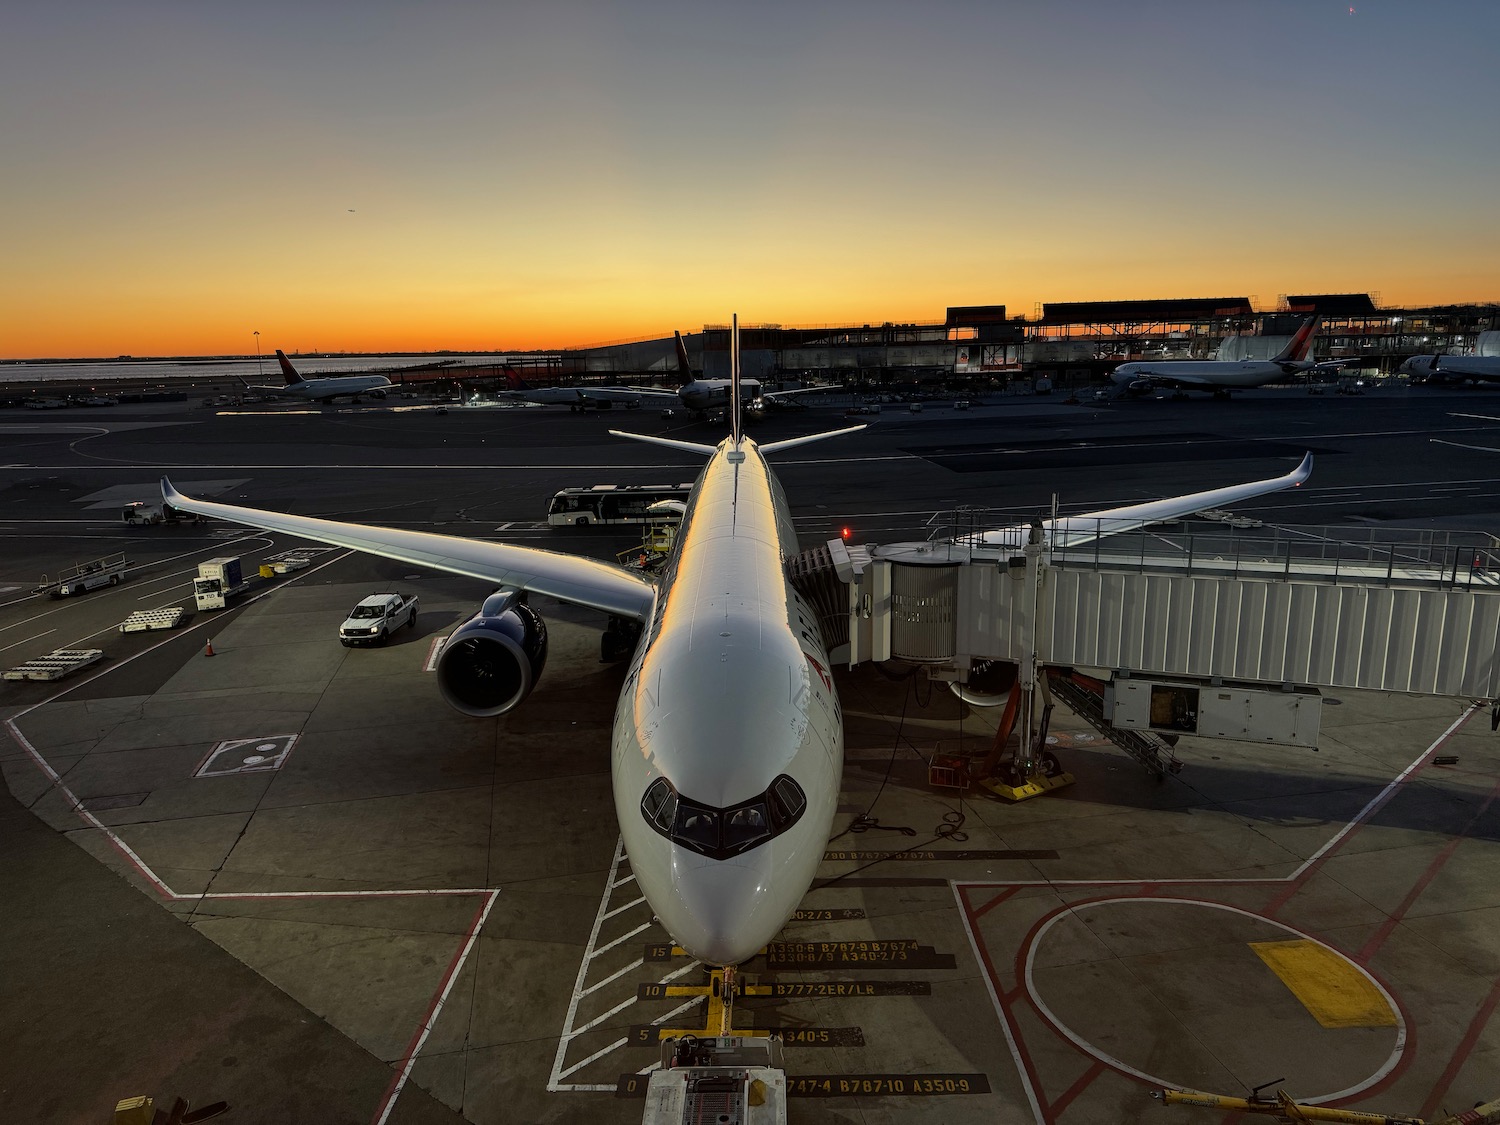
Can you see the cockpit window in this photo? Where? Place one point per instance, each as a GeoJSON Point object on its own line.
{"type": "Point", "coordinates": [659, 806]}
{"type": "Point", "coordinates": [721, 833]}
{"type": "Point", "coordinates": [746, 827]}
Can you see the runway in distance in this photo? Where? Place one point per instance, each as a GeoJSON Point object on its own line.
{"type": "Point", "coordinates": [727, 742]}
{"type": "Point", "coordinates": [323, 389]}
{"type": "Point", "coordinates": [1216, 375]}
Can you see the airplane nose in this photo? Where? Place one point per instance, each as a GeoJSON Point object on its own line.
{"type": "Point", "coordinates": [723, 906]}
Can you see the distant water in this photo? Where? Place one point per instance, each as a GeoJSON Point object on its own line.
{"type": "Point", "coordinates": [202, 370]}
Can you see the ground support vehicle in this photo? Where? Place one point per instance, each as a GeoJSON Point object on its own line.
{"type": "Point", "coordinates": [108, 571]}
{"type": "Point", "coordinates": [218, 581]}
{"type": "Point", "coordinates": [144, 513]}
{"type": "Point", "coordinates": [373, 620]}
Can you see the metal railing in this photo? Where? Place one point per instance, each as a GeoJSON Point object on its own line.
{"type": "Point", "coordinates": [1334, 554]}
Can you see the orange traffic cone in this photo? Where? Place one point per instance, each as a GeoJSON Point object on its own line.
{"type": "Point", "coordinates": [209, 651]}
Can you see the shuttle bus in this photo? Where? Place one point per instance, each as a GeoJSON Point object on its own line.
{"type": "Point", "coordinates": [611, 503]}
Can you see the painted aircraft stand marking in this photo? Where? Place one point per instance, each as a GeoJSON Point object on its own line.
{"type": "Point", "coordinates": [247, 755]}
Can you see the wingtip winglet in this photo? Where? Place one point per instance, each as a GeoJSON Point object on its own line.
{"type": "Point", "coordinates": [1303, 471]}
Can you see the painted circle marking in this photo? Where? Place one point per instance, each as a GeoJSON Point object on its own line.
{"type": "Point", "coordinates": [1035, 941]}
{"type": "Point", "coordinates": [254, 760]}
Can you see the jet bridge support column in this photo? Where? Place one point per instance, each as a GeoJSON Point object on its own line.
{"type": "Point", "coordinates": [1034, 770]}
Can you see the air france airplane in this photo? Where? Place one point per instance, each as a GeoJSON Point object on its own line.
{"type": "Point", "coordinates": [727, 744]}
{"type": "Point", "coordinates": [326, 388]}
{"type": "Point", "coordinates": [1219, 375]}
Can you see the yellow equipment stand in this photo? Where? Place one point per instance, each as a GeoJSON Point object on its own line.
{"type": "Point", "coordinates": [721, 990]}
{"type": "Point", "coordinates": [1034, 787]}
{"type": "Point", "coordinates": [1281, 1106]}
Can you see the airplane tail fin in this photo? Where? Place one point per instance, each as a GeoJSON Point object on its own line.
{"type": "Point", "coordinates": [287, 370]}
{"type": "Point", "coordinates": [684, 368]}
{"type": "Point", "coordinates": [514, 381]}
{"type": "Point", "coordinates": [736, 406]}
{"type": "Point", "coordinates": [1300, 345]}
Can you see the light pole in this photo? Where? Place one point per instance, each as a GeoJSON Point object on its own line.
{"type": "Point", "coordinates": [259, 371]}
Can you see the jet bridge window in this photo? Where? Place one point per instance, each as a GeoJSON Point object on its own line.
{"type": "Point", "coordinates": [721, 833]}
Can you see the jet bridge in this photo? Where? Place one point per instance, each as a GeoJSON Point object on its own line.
{"type": "Point", "coordinates": [1196, 628]}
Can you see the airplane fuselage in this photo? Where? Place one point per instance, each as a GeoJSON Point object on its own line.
{"type": "Point", "coordinates": [326, 390]}
{"type": "Point", "coordinates": [729, 697]}
{"type": "Point", "coordinates": [1191, 374]}
{"type": "Point", "coordinates": [710, 394]}
{"type": "Point", "coordinates": [1453, 368]}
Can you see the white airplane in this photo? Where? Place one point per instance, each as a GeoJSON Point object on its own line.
{"type": "Point", "coordinates": [700, 396]}
{"type": "Point", "coordinates": [727, 743]}
{"type": "Point", "coordinates": [577, 398]}
{"type": "Point", "coordinates": [1453, 368]}
{"type": "Point", "coordinates": [324, 388]}
{"type": "Point", "coordinates": [1217, 375]}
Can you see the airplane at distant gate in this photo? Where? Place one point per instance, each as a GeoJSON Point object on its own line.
{"type": "Point", "coordinates": [323, 388]}
{"type": "Point", "coordinates": [1216, 375]}
{"type": "Point", "coordinates": [727, 743]}
{"type": "Point", "coordinates": [1453, 368]}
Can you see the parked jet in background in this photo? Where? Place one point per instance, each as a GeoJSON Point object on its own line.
{"type": "Point", "coordinates": [1453, 368]}
{"type": "Point", "coordinates": [701, 396]}
{"type": "Point", "coordinates": [578, 398]}
{"type": "Point", "coordinates": [1216, 375]}
{"type": "Point", "coordinates": [726, 772]}
{"type": "Point", "coordinates": [323, 388]}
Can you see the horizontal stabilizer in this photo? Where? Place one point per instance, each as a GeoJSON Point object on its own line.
{"type": "Point", "coordinates": [788, 443]}
{"type": "Point", "coordinates": [670, 443]}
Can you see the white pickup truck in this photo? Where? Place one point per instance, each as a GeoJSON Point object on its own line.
{"type": "Point", "coordinates": [377, 617]}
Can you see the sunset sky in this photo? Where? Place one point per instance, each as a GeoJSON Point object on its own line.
{"type": "Point", "coordinates": [391, 176]}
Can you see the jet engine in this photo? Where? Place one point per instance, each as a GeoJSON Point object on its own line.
{"type": "Point", "coordinates": [492, 661]}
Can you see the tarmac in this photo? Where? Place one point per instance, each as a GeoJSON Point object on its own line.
{"type": "Point", "coordinates": [290, 877]}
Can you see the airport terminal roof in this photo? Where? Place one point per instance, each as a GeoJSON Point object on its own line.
{"type": "Point", "coordinates": [1334, 304]}
{"type": "Point", "coordinates": [1143, 312]}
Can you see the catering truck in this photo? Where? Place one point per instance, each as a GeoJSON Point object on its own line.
{"type": "Point", "coordinates": [218, 580]}
{"type": "Point", "coordinates": [373, 620]}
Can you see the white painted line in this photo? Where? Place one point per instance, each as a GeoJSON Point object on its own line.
{"type": "Point", "coordinates": [636, 964]}
{"type": "Point", "coordinates": [621, 882]}
{"type": "Point", "coordinates": [622, 938]}
{"type": "Point", "coordinates": [13, 644]}
{"type": "Point", "coordinates": [597, 1020]}
{"type": "Point", "coordinates": [432, 653]}
{"type": "Point", "coordinates": [627, 906]}
{"type": "Point", "coordinates": [384, 1111]}
{"type": "Point", "coordinates": [599, 1054]}
{"type": "Point", "coordinates": [583, 967]}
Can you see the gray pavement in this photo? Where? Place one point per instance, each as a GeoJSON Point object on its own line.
{"type": "Point", "coordinates": [1049, 964]}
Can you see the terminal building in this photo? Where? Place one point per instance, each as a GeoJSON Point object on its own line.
{"type": "Point", "coordinates": [1071, 342]}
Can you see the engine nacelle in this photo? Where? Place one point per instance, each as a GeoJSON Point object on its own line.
{"type": "Point", "coordinates": [492, 661]}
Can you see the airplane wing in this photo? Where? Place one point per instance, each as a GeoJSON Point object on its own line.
{"type": "Point", "coordinates": [568, 578]}
{"type": "Point", "coordinates": [624, 394]}
{"type": "Point", "coordinates": [1070, 531]}
{"type": "Point", "coordinates": [1184, 382]}
{"type": "Point", "coordinates": [801, 391]}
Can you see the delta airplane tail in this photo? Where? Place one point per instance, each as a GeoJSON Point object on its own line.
{"type": "Point", "coordinates": [514, 381]}
{"type": "Point", "coordinates": [287, 370]}
{"type": "Point", "coordinates": [1298, 347]}
{"type": "Point", "coordinates": [684, 368]}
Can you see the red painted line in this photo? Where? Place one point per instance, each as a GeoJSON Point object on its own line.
{"type": "Point", "coordinates": [1462, 1052]}
{"type": "Point", "coordinates": [1439, 862]}
{"type": "Point", "coordinates": [408, 1060]}
{"type": "Point", "coordinates": [1085, 1080]}
{"type": "Point", "coordinates": [1017, 1042]}
{"type": "Point", "coordinates": [1366, 815]}
{"type": "Point", "coordinates": [975, 912]}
